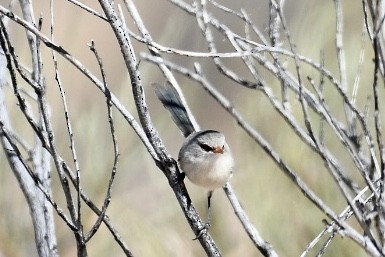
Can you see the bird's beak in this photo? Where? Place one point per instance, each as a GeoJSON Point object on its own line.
{"type": "Point", "coordinates": [218, 149]}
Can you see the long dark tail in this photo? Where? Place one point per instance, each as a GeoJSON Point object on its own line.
{"type": "Point", "coordinates": [171, 100]}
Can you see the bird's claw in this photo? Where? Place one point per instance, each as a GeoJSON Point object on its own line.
{"type": "Point", "coordinates": [202, 230]}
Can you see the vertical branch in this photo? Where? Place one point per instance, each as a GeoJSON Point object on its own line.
{"type": "Point", "coordinates": [27, 10]}
{"type": "Point", "coordinates": [41, 211]}
{"type": "Point", "coordinates": [339, 44]}
{"type": "Point", "coordinates": [43, 105]}
{"type": "Point", "coordinates": [107, 198]}
{"type": "Point", "coordinates": [274, 23]}
{"type": "Point", "coordinates": [69, 127]}
{"type": "Point", "coordinates": [47, 128]}
{"type": "Point", "coordinates": [356, 85]}
{"type": "Point", "coordinates": [380, 205]}
{"type": "Point", "coordinates": [377, 111]}
{"type": "Point", "coordinates": [274, 35]}
{"type": "Point", "coordinates": [342, 61]}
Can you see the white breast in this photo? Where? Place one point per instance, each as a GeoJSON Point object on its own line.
{"type": "Point", "coordinates": [211, 172]}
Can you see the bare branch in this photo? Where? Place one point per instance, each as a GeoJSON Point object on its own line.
{"type": "Point", "coordinates": [264, 247]}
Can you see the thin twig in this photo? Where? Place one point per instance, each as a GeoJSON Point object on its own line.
{"type": "Point", "coordinates": [203, 19]}
{"type": "Point", "coordinates": [15, 152]}
{"type": "Point", "coordinates": [344, 215]}
{"type": "Point", "coordinates": [88, 9]}
{"type": "Point", "coordinates": [68, 121]}
{"type": "Point", "coordinates": [264, 247]}
{"type": "Point", "coordinates": [107, 198]}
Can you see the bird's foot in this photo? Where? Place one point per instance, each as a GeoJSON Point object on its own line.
{"type": "Point", "coordinates": [202, 230]}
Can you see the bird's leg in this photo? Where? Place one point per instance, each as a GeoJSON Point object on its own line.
{"type": "Point", "coordinates": [182, 176]}
{"type": "Point", "coordinates": [209, 195]}
{"type": "Point", "coordinates": [208, 223]}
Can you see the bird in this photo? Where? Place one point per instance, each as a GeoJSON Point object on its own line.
{"type": "Point", "coordinates": [205, 157]}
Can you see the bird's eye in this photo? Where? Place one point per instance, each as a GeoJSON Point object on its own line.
{"type": "Point", "coordinates": [206, 147]}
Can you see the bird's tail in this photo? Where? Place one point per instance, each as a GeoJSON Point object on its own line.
{"type": "Point", "coordinates": [174, 102]}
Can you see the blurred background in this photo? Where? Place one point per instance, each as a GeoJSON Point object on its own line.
{"type": "Point", "coordinates": [143, 207]}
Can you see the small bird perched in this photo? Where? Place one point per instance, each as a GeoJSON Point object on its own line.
{"type": "Point", "coordinates": [204, 157]}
